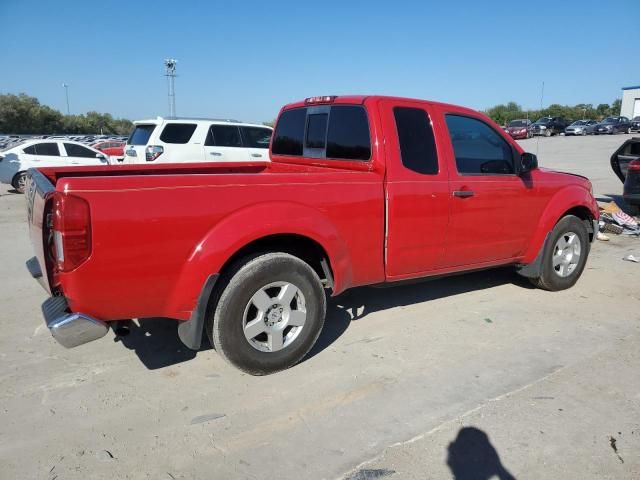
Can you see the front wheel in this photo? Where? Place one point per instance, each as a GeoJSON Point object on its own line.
{"type": "Point", "coordinates": [19, 182]}
{"type": "Point", "coordinates": [269, 315]}
{"type": "Point", "coordinates": [547, 133]}
{"type": "Point", "coordinates": [565, 255]}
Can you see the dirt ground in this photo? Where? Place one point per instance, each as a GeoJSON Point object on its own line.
{"type": "Point", "coordinates": [470, 376]}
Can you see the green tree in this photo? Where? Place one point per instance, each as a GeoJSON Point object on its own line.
{"type": "Point", "coordinates": [22, 114]}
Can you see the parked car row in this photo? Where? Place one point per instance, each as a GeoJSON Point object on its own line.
{"type": "Point", "coordinates": [20, 157]}
{"type": "Point", "coordinates": [549, 126]}
{"type": "Point", "coordinates": [161, 140]}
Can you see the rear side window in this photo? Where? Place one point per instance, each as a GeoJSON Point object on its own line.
{"type": "Point", "coordinates": [478, 148]}
{"type": "Point", "coordinates": [255, 137]}
{"type": "Point", "coordinates": [141, 134]}
{"type": "Point", "coordinates": [417, 144]}
{"type": "Point", "coordinates": [177, 132]}
{"type": "Point", "coordinates": [46, 149]}
{"type": "Point", "coordinates": [340, 134]}
{"type": "Point", "coordinates": [224, 136]}
{"type": "Point", "coordinates": [348, 136]}
{"type": "Point", "coordinates": [290, 132]}
{"type": "Point", "coordinates": [74, 150]}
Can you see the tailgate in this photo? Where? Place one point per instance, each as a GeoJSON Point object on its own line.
{"type": "Point", "coordinates": [38, 191]}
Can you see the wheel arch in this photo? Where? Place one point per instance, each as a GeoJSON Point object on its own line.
{"type": "Point", "coordinates": [296, 229]}
{"type": "Point", "coordinates": [571, 200]}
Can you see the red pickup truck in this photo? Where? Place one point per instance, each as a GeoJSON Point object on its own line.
{"type": "Point", "coordinates": [361, 190]}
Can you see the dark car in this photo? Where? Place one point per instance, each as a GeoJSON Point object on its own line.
{"type": "Point", "coordinates": [519, 128]}
{"type": "Point", "coordinates": [581, 127]}
{"type": "Point", "coordinates": [549, 126]}
{"type": "Point", "coordinates": [611, 125]}
{"type": "Point", "coordinates": [625, 162]}
{"type": "Point", "coordinates": [635, 124]}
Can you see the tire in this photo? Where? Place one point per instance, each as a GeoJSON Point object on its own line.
{"type": "Point", "coordinates": [553, 278]}
{"type": "Point", "coordinates": [584, 133]}
{"type": "Point", "coordinates": [629, 130]}
{"type": "Point", "coordinates": [251, 295]}
{"type": "Point", "coordinates": [547, 133]}
{"type": "Point", "coordinates": [19, 181]}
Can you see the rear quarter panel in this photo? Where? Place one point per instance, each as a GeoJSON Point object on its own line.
{"type": "Point", "coordinates": [157, 238]}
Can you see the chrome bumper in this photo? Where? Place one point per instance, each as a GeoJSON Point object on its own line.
{"type": "Point", "coordinates": [71, 329]}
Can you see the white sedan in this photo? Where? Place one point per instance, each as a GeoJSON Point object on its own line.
{"type": "Point", "coordinates": [16, 160]}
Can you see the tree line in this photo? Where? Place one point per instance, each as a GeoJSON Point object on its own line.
{"type": "Point", "coordinates": [22, 114]}
{"type": "Point", "coordinates": [503, 114]}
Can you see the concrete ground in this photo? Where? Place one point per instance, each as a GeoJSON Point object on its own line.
{"type": "Point", "coordinates": [472, 376]}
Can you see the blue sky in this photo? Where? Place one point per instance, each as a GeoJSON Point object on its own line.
{"type": "Point", "coordinates": [246, 59]}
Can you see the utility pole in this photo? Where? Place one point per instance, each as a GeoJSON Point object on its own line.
{"type": "Point", "coordinates": [170, 73]}
{"type": "Point", "coordinates": [66, 92]}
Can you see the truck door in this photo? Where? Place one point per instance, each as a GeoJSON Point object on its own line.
{"type": "Point", "coordinates": [417, 191]}
{"type": "Point", "coordinates": [493, 210]}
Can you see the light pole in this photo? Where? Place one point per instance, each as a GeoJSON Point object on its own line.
{"type": "Point", "coordinates": [170, 73]}
{"type": "Point", "coordinates": [66, 92]}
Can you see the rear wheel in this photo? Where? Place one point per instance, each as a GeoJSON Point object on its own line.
{"type": "Point", "coordinates": [565, 255]}
{"type": "Point", "coordinates": [19, 182]}
{"type": "Point", "coordinates": [269, 314]}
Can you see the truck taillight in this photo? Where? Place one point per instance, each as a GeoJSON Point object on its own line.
{"type": "Point", "coordinates": [634, 166]}
{"type": "Point", "coordinates": [71, 231]}
{"type": "Point", "coordinates": [152, 152]}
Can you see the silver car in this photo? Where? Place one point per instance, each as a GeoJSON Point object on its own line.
{"type": "Point", "coordinates": [581, 127]}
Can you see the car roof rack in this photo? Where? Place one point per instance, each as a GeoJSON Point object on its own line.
{"type": "Point", "coordinates": [230, 120]}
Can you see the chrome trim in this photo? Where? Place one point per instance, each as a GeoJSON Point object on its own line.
{"type": "Point", "coordinates": [43, 186]}
{"type": "Point", "coordinates": [34, 268]}
{"type": "Point", "coordinates": [33, 265]}
{"type": "Point", "coordinates": [71, 329]}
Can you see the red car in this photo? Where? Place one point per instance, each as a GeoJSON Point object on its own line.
{"type": "Point", "coordinates": [361, 190]}
{"type": "Point", "coordinates": [519, 129]}
{"type": "Point", "coordinates": [111, 148]}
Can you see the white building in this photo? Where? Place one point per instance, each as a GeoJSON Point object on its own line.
{"type": "Point", "coordinates": [630, 102]}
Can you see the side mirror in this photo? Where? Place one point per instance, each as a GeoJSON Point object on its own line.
{"type": "Point", "coordinates": [528, 162]}
{"type": "Point", "coordinates": [101, 156]}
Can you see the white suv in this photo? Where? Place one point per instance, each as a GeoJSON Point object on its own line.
{"type": "Point", "coordinates": [182, 140]}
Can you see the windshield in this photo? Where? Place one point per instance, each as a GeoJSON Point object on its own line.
{"type": "Point", "coordinates": [543, 120]}
{"type": "Point", "coordinates": [141, 134]}
{"type": "Point", "coordinates": [610, 120]}
{"type": "Point", "coordinates": [579, 122]}
{"type": "Point", "coordinates": [636, 119]}
{"type": "Point", "coordinates": [518, 123]}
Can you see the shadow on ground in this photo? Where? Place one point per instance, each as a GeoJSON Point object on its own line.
{"type": "Point", "coordinates": [472, 457]}
{"type": "Point", "coordinates": [155, 340]}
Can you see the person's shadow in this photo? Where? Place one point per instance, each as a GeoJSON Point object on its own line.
{"type": "Point", "coordinates": [472, 457]}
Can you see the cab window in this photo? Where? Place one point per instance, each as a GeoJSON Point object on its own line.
{"type": "Point", "coordinates": [478, 148]}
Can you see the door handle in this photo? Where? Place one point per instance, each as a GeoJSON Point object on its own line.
{"type": "Point", "coordinates": [256, 155]}
{"type": "Point", "coordinates": [217, 154]}
{"type": "Point", "coordinates": [463, 193]}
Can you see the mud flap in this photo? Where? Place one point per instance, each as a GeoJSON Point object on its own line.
{"type": "Point", "coordinates": [190, 331]}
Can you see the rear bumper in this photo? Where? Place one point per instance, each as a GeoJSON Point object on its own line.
{"type": "Point", "coordinates": [68, 328]}
{"type": "Point", "coordinates": [71, 329]}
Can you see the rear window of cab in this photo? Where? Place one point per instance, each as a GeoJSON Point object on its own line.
{"type": "Point", "coordinates": [335, 132]}
{"type": "Point", "coordinates": [141, 134]}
